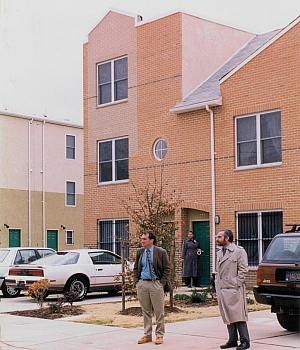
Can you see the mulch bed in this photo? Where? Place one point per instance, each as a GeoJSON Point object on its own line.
{"type": "Point", "coordinates": [68, 310]}
{"type": "Point", "coordinates": [45, 312]}
{"type": "Point", "coordinates": [177, 304]}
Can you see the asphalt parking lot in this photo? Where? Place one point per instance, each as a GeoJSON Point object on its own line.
{"type": "Point", "coordinates": [64, 334]}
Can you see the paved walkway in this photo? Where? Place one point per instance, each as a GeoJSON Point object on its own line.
{"type": "Point", "coordinates": [206, 334]}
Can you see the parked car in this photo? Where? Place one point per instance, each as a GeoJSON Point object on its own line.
{"type": "Point", "coordinates": [79, 270]}
{"type": "Point", "coordinates": [17, 256]}
{"type": "Point", "coordinates": [278, 279]}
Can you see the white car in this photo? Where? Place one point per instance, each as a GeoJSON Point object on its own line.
{"type": "Point", "coordinates": [78, 270]}
{"type": "Point", "coordinates": [17, 256]}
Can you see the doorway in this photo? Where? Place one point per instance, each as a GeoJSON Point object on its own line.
{"type": "Point", "coordinates": [202, 235]}
{"type": "Point", "coordinates": [14, 238]}
{"type": "Point", "coordinates": [52, 239]}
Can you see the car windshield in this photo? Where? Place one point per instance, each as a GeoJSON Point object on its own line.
{"type": "Point", "coordinates": [3, 254]}
{"type": "Point", "coordinates": [58, 259]}
{"type": "Point", "coordinates": [285, 249]}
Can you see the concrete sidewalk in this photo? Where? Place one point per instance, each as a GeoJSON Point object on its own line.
{"type": "Point", "coordinates": [205, 334]}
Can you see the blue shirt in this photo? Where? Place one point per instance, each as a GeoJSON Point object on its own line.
{"type": "Point", "coordinates": [146, 273]}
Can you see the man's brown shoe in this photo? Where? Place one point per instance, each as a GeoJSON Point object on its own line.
{"type": "Point", "coordinates": [145, 340]}
{"type": "Point", "coordinates": [159, 340]}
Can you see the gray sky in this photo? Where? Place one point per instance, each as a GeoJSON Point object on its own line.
{"type": "Point", "coordinates": [41, 43]}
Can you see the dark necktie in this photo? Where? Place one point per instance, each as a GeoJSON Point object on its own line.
{"type": "Point", "coordinates": [150, 266]}
{"type": "Point", "coordinates": [224, 251]}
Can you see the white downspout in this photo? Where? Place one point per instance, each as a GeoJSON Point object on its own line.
{"type": "Point", "coordinates": [43, 181]}
{"type": "Point", "coordinates": [213, 188]}
{"type": "Point", "coordinates": [29, 183]}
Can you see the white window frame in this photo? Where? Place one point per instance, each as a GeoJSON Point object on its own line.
{"type": "Point", "coordinates": [112, 80]}
{"type": "Point", "coordinates": [72, 237]}
{"type": "Point", "coordinates": [159, 151]}
{"type": "Point", "coordinates": [70, 147]}
{"type": "Point", "coordinates": [259, 229]}
{"type": "Point", "coordinates": [258, 164]}
{"type": "Point", "coordinates": [70, 205]}
{"type": "Point", "coordinates": [113, 160]}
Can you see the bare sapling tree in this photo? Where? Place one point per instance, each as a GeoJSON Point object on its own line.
{"type": "Point", "coordinates": [152, 207]}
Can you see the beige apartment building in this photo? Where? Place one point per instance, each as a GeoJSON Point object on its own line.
{"type": "Point", "coordinates": [41, 182]}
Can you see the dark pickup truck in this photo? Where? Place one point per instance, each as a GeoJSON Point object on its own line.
{"type": "Point", "coordinates": [278, 279]}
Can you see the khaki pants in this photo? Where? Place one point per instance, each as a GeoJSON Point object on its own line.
{"type": "Point", "coordinates": [151, 295]}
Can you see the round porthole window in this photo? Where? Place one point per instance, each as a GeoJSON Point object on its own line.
{"type": "Point", "coordinates": [160, 149]}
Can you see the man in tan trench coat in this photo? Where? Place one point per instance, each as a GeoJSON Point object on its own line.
{"type": "Point", "coordinates": [232, 267]}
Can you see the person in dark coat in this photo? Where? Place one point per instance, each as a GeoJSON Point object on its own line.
{"type": "Point", "coordinates": [189, 256]}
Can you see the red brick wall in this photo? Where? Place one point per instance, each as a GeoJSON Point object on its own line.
{"type": "Point", "coordinates": [269, 81]}
{"type": "Point", "coordinates": [154, 49]}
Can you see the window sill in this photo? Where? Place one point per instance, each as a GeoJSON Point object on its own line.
{"type": "Point", "coordinates": [113, 182]}
{"type": "Point", "coordinates": [250, 167]}
{"type": "Point", "coordinates": [112, 103]}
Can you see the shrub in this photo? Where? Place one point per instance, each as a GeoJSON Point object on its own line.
{"type": "Point", "coordinates": [38, 291]}
{"type": "Point", "coordinates": [198, 297]}
{"type": "Point", "coordinates": [250, 301]}
{"type": "Point", "coordinates": [181, 297]}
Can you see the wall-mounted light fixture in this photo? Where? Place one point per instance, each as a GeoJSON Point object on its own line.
{"type": "Point", "coordinates": [63, 227]}
{"type": "Point", "coordinates": [5, 225]}
{"type": "Point", "coordinates": [217, 219]}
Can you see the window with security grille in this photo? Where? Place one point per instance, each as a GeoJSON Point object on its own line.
{"type": "Point", "coordinates": [113, 160]}
{"type": "Point", "coordinates": [111, 234]}
{"type": "Point", "coordinates": [258, 139]}
{"type": "Point", "coordinates": [255, 231]}
{"type": "Point", "coordinates": [70, 146]}
{"type": "Point", "coordinates": [70, 193]}
{"type": "Point", "coordinates": [112, 81]}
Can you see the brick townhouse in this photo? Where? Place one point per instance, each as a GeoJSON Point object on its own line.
{"type": "Point", "coordinates": [144, 111]}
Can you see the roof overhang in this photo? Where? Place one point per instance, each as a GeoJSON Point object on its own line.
{"type": "Point", "coordinates": [196, 106]}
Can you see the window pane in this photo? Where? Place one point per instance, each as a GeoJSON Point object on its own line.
{"type": "Point", "coordinates": [160, 149]}
{"type": "Point", "coordinates": [121, 71]}
{"type": "Point", "coordinates": [121, 148]}
{"type": "Point", "coordinates": [270, 125]}
{"type": "Point", "coordinates": [246, 129]}
{"type": "Point", "coordinates": [70, 141]}
{"type": "Point", "coordinates": [70, 147]}
{"type": "Point", "coordinates": [272, 223]}
{"type": "Point", "coordinates": [105, 151]}
{"type": "Point", "coordinates": [106, 235]}
{"type": "Point", "coordinates": [70, 187]}
{"type": "Point", "coordinates": [121, 170]}
{"type": "Point", "coordinates": [271, 151]}
{"type": "Point", "coordinates": [69, 237]}
{"type": "Point", "coordinates": [248, 236]}
{"type": "Point", "coordinates": [105, 172]}
{"type": "Point", "coordinates": [121, 90]}
{"type": "Point", "coordinates": [104, 94]}
{"type": "Point", "coordinates": [70, 153]}
{"type": "Point", "coordinates": [121, 231]}
{"type": "Point", "coordinates": [247, 153]}
{"type": "Point", "coordinates": [104, 71]}
{"type": "Point", "coordinates": [70, 199]}
{"type": "Point", "coordinates": [70, 193]}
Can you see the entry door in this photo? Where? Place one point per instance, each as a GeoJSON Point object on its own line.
{"type": "Point", "coordinates": [202, 235]}
{"type": "Point", "coordinates": [52, 239]}
{"type": "Point", "coordinates": [14, 238]}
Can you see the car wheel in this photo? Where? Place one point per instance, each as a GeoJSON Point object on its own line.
{"type": "Point", "coordinates": [77, 285]}
{"type": "Point", "coordinates": [289, 322]}
{"type": "Point", "coordinates": [9, 292]}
